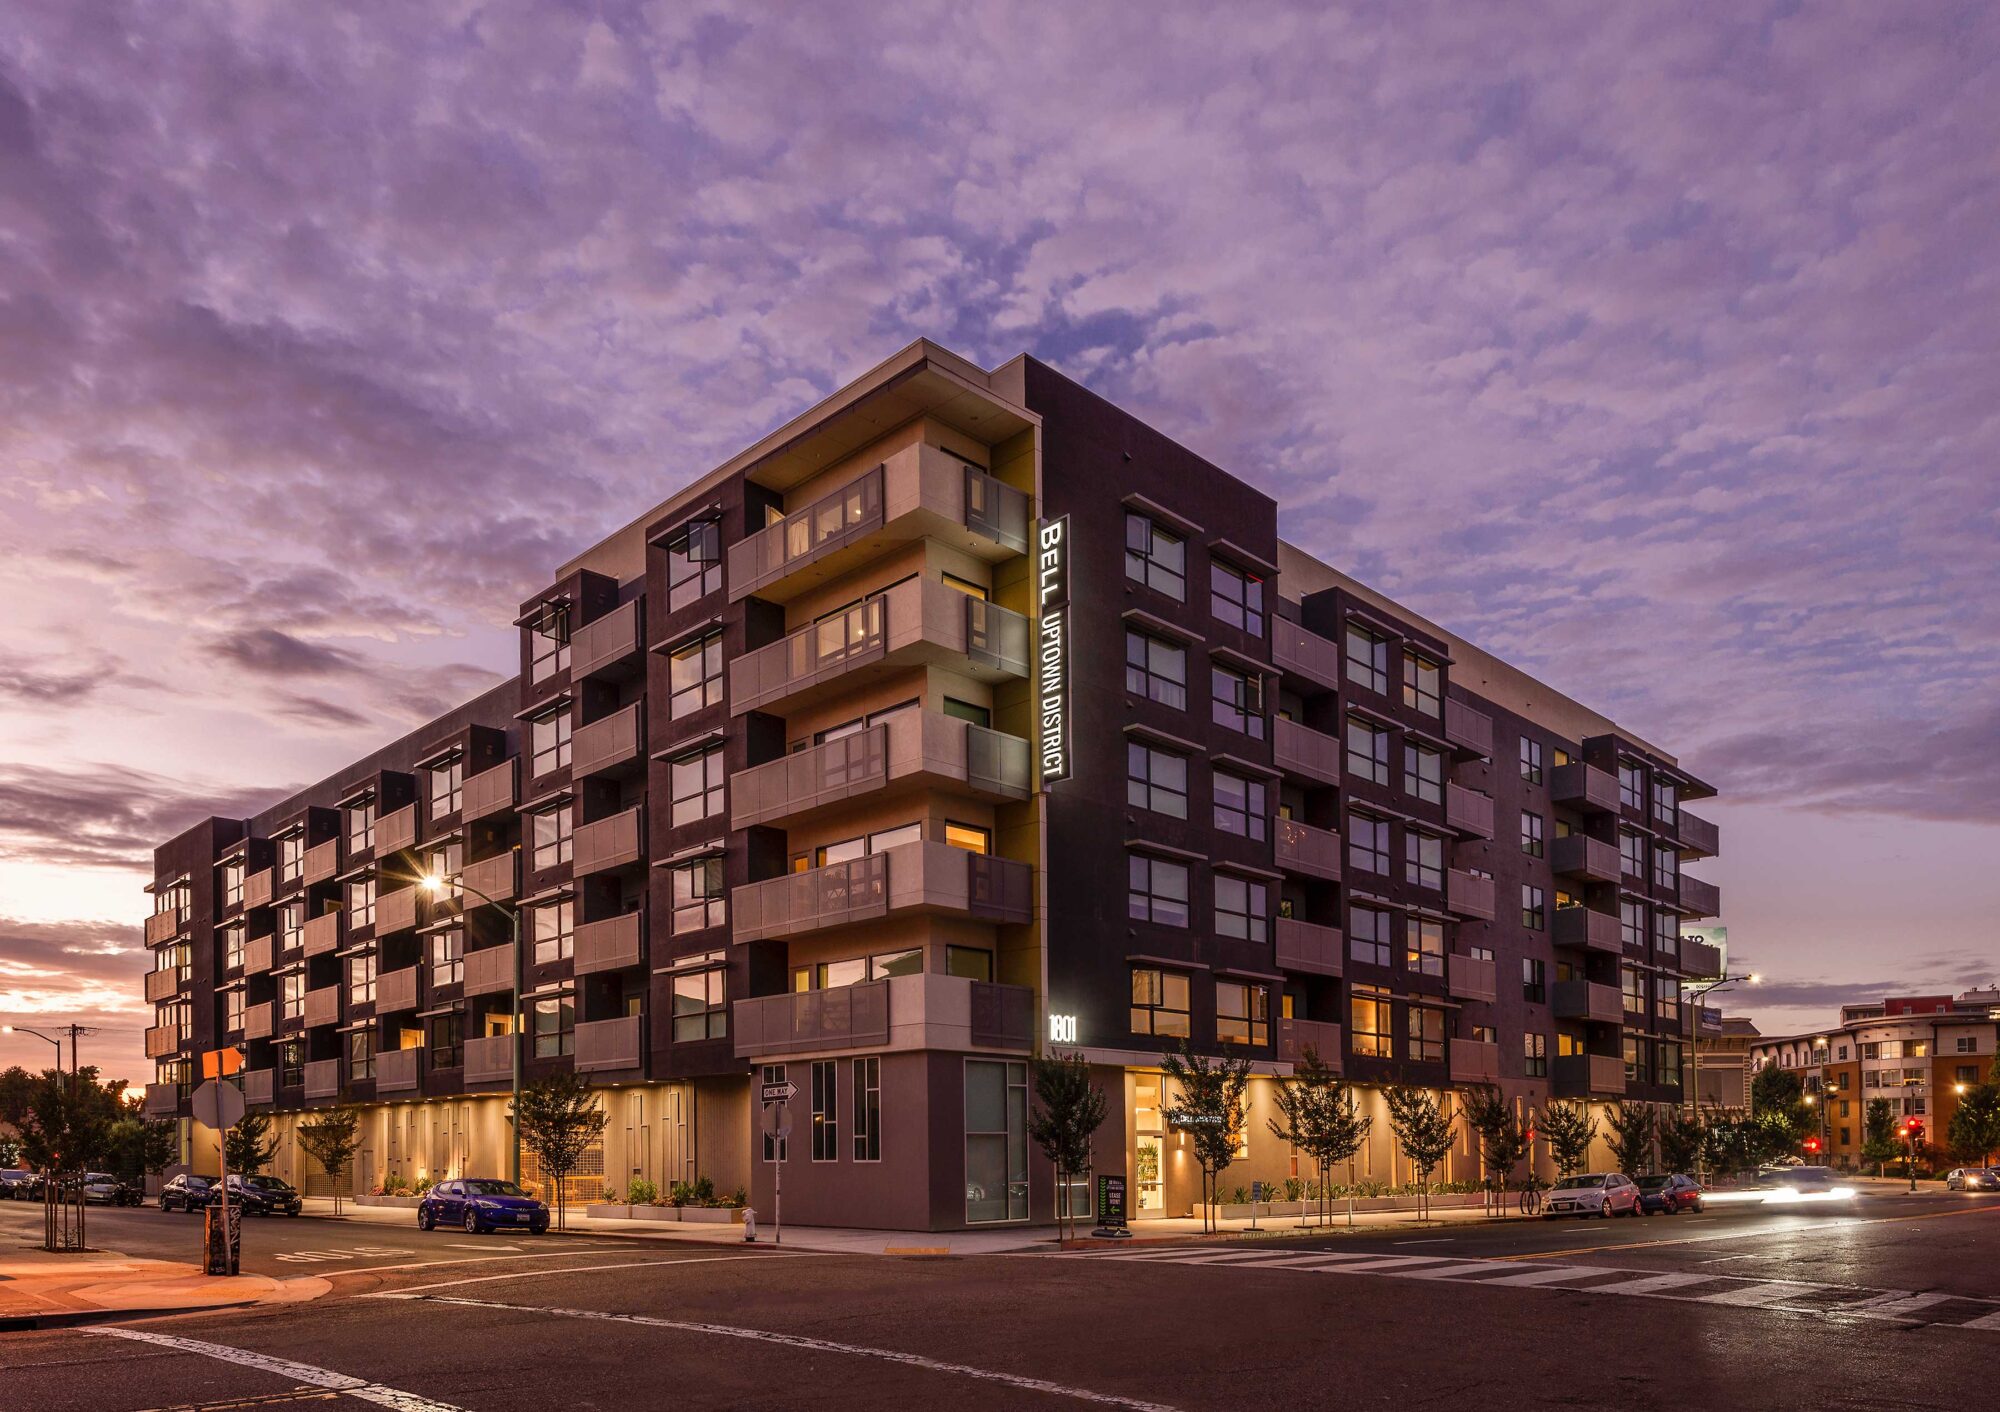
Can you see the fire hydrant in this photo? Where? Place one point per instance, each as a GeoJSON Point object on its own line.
{"type": "Point", "coordinates": [749, 1225]}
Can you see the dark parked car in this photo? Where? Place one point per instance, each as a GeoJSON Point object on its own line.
{"type": "Point", "coordinates": [20, 1184]}
{"type": "Point", "coordinates": [481, 1204]}
{"type": "Point", "coordinates": [188, 1192]}
{"type": "Point", "coordinates": [103, 1189]}
{"type": "Point", "coordinates": [264, 1195]}
{"type": "Point", "coordinates": [1669, 1195]}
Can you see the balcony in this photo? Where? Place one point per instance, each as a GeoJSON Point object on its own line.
{"type": "Point", "coordinates": [396, 1070]}
{"type": "Point", "coordinates": [396, 832]}
{"type": "Point", "coordinates": [1586, 930]}
{"type": "Point", "coordinates": [257, 890]}
{"type": "Point", "coordinates": [1295, 1037]}
{"type": "Point", "coordinates": [919, 492]}
{"type": "Point", "coordinates": [257, 1020]}
{"type": "Point", "coordinates": [1699, 838]}
{"type": "Point", "coordinates": [609, 743]}
{"type": "Point", "coordinates": [489, 791]}
{"type": "Point", "coordinates": [1474, 1062]}
{"type": "Point", "coordinates": [1307, 851]}
{"type": "Point", "coordinates": [1469, 895]}
{"type": "Point", "coordinates": [162, 1100]}
{"type": "Point", "coordinates": [604, 643]}
{"type": "Point", "coordinates": [1309, 947]}
{"type": "Point", "coordinates": [1581, 857]}
{"type": "Point", "coordinates": [911, 877]}
{"type": "Point", "coordinates": [395, 911]}
{"type": "Point", "coordinates": [494, 879]}
{"type": "Point", "coordinates": [323, 1078]}
{"type": "Point", "coordinates": [916, 623]}
{"type": "Point", "coordinates": [396, 991]}
{"type": "Point", "coordinates": [1587, 1075]}
{"type": "Point", "coordinates": [1698, 898]}
{"type": "Point", "coordinates": [162, 985]}
{"type": "Point", "coordinates": [489, 969]}
{"type": "Point", "coordinates": [258, 954]}
{"type": "Point", "coordinates": [323, 1006]}
{"type": "Point", "coordinates": [162, 1042]}
{"type": "Point", "coordinates": [608, 1044]}
{"type": "Point", "coordinates": [1584, 787]}
{"type": "Point", "coordinates": [608, 945]}
{"type": "Point", "coordinates": [1470, 731]}
{"type": "Point", "coordinates": [489, 1059]}
{"type": "Point", "coordinates": [1467, 812]}
{"type": "Point", "coordinates": [260, 1085]}
{"type": "Point", "coordinates": [1588, 1001]}
{"type": "Point", "coordinates": [322, 862]}
{"type": "Point", "coordinates": [1699, 959]}
{"type": "Point", "coordinates": [1471, 978]}
{"type": "Point", "coordinates": [322, 934]}
{"type": "Point", "coordinates": [162, 926]}
{"type": "Point", "coordinates": [604, 844]}
{"type": "Point", "coordinates": [1300, 652]}
{"type": "Point", "coordinates": [926, 750]}
{"type": "Point", "coordinates": [1302, 751]}
{"type": "Point", "coordinates": [923, 1011]}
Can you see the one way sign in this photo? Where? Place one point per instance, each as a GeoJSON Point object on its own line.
{"type": "Point", "coordinates": [778, 1093]}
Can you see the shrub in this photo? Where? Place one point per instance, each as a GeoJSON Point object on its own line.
{"type": "Point", "coordinates": [681, 1194]}
{"type": "Point", "coordinates": [1295, 1189]}
{"type": "Point", "coordinates": [640, 1192]}
{"type": "Point", "coordinates": [423, 1185]}
{"type": "Point", "coordinates": [704, 1191]}
{"type": "Point", "coordinates": [739, 1197]}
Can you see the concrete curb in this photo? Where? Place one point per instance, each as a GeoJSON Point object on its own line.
{"type": "Point", "coordinates": [71, 1318]}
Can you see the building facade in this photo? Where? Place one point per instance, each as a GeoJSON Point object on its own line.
{"type": "Point", "coordinates": [1722, 1044]}
{"type": "Point", "coordinates": [964, 717]}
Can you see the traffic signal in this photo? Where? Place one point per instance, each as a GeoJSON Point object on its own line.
{"type": "Point", "coordinates": [1916, 1131]}
{"type": "Point", "coordinates": [1812, 1146]}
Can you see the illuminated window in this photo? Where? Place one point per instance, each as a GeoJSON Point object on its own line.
{"type": "Point", "coordinates": [1160, 1003]}
{"type": "Point", "coordinates": [971, 837]}
{"type": "Point", "coordinates": [1423, 950]}
{"type": "Point", "coordinates": [1242, 1013]}
{"type": "Point", "coordinates": [1372, 1037]}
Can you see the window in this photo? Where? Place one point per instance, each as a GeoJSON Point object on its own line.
{"type": "Point", "coordinates": [698, 895]}
{"type": "Point", "coordinates": [554, 1026]}
{"type": "Point", "coordinates": [1237, 701]}
{"type": "Point", "coordinates": [973, 838]}
{"type": "Point", "coordinates": [972, 962]}
{"type": "Point", "coordinates": [1156, 670]}
{"type": "Point", "coordinates": [1534, 913]}
{"type": "Point", "coordinates": [1635, 1059]}
{"type": "Point", "coordinates": [291, 925]}
{"type": "Point", "coordinates": [446, 863]}
{"type": "Point", "coordinates": [1965, 1044]}
{"type": "Point", "coordinates": [1534, 980]}
{"type": "Point", "coordinates": [1155, 558]}
{"type": "Point", "coordinates": [1242, 908]}
{"type": "Point", "coordinates": [232, 948]}
{"type": "Point", "coordinates": [1372, 1038]}
{"type": "Point", "coordinates": [1666, 802]}
{"type": "Point", "coordinates": [1423, 859]}
{"type": "Point", "coordinates": [1633, 985]}
{"type": "Point", "coordinates": [1666, 933]}
{"type": "Point", "coordinates": [550, 830]}
{"type": "Point", "coordinates": [1242, 1013]}
{"type": "Point", "coordinates": [1631, 786]}
{"type": "Point", "coordinates": [1241, 805]}
{"type": "Point", "coordinates": [1423, 684]}
{"type": "Point", "coordinates": [292, 1063]}
{"type": "Point", "coordinates": [1632, 853]}
{"type": "Point", "coordinates": [699, 1008]}
{"type": "Point", "coordinates": [553, 929]}
{"type": "Point", "coordinates": [548, 643]}
{"type": "Point", "coordinates": [1535, 1056]}
{"type": "Point", "coordinates": [694, 563]}
{"type": "Point", "coordinates": [1157, 890]}
{"type": "Point", "coordinates": [1160, 1003]}
{"type": "Point", "coordinates": [825, 1110]}
{"type": "Point", "coordinates": [1531, 760]}
{"type": "Point", "coordinates": [1531, 835]}
{"type": "Point", "coordinates": [361, 1054]}
{"type": "Point", "coordinates": [361, 826]}
{"type": "Point", "coordinates": [1368, 935]}
{"type": "Point", "coordinates": [291, 857]}
{"type": "Point", "coordinates": [1425, 1043]}
{"type": "Point", "coordinates": [1423, 949]}
{"type": "Point", "coordinates": [1423, 773]}
{"type": "Point", "coordinates": [447, 1038]}
{"type": "Point", "coordinates": [1966, 1073]}
{"type": "Point", "coordinates": [292, 995]}
{"type": "Point", "coordinates": [1667, 1002]}
{"type": "Point", "coordinates": [1632, 924]}
{"type": "Point", "coordinates": [447, 781]}
{"type": "Point", "coordinates": [447, 950]}
{"type": "Point", "coordinates": [1368, 843]}
{"type": "Point", "coordinates": [1368, 659]}
{"type": "Point", "coordinates": [232, 1011]}
{"type": "Point", "coordinates": [361, 979]}
{"type": "Point", "coordinates": [232, 883]}
{"type": "Point", "coordinates": [694, 676]}
{"type": "Point", "coordinates": [776, 1149]}
{"type": "Point", "coordinates": [695, 786]}
{"type": "Point", "coordinates": [1235, 597]}
{"type": "Point", "coordinates": [361, 903]}
{"type": "Point", "coordinates": [1666, 866]}
{"type": "Point", "coordinates": [868, 1109]}
{"type": "Point", "coordinates": [968, 711]}
{"type": "Point", "coordinates": [1156, 780]}
{"type": "Point", "coordinates": [549, 742]}
{"type": "Point", "coordinates": [1367, 751]}
{"type": "Point", "coordinates": [996, 1141]}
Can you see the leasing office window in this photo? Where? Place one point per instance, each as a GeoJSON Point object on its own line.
{"type": "Point", "coordinates": [867, 1077]}
{"type": "Point", "coordinates": [695, 783]}
{"type": "Point", "coordinates": [551, 832]}
{"type": "Point", "coordinates": [1531, 835]}
{"type": "Point", "coordinates": [1156, 670]}
{"type": "Point", "coordinates": [1531, 760]}
{"type": "Point", "coordinates": [1367, 751]}
{"type": "Point", "coordinates": [1242, 908]}
{"type": "Point", "coordinates": [1372, 1036]}
{"type": "Point", "coordinates": [1368, 935]}
{"type": "Point", "coordinates": [1423, 949]}
{"type": "Point", "coordinates": [1242, 1013]}
{"type": "Point", "coordinates": [694, 563]}
{"type": "Point", "coordinates": [548, 738]}
{"type": "Point", "coordinates": [700, 1005]}
{"type": "Point", "coordinates": [1425, 1042]}
{"type": "Point", "coordinates": [1156, 890]}
{"type": "Point", "coordinates": [1160, 1003]}
{"type": "Point", "coordinates": [996, 1141]}
{"type": "Point", "coordinates": [1155, 557]}
{"type": "Point", "coordinates": [698, 895]}
{"type": "Point", "coordinates": [447, 955]}
{"type": "Point", "coordinates": [1423, 773]}
{"type": "Point", "coordinates": [1235, 597]}
{"type": "Point", "coordinates": [1236, 700]}
{"type": "Point", "coordinates": [447, 786]}
{"type": "Point", "coordinates": [694, 676]}
{"type": "Point", "coordinates": [826, 1110]}
{"type": "Point", "coordinates": [1368, 843]}
{"type": "Point", "coordinates": [1423, 684]}
{"type": "Point", "coordinates": [1368, 659]}
{"type": "Point", "coordinates": [1242, 806]}
{"type": "Point", "coordinates": [1156, 780]}
{"type": "Point", "coordinates": [1423, 859]}
{"type": "Point", "coordinates": [553, 1024]}
{"type": "Point", "coordinates": [553, 928]}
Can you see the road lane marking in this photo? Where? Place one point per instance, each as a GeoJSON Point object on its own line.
{"type": "Point", "coordinates": [1649, 1284]}
{"type": "Point", "coordinates": [1752, 1295]}
{"type": "Point", "coordinates": [1984, 1321]}
{"type": "Point", "coordinates": [821, 1345]}
{"type": "Point", "coordinates": [1896, 1304]}
{"type": "Point", "coordinates": [346, 1383]}
{"type": "Point", "coordinates": [418, 1291]}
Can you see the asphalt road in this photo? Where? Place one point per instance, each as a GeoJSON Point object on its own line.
{"type": "Point", "coordinates": [1893, 1304]}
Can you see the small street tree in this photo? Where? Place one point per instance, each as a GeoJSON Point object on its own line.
{"type": "Point", "coordinates": [1570, 1130]}
{"type": "Point", "coordinates": [1878, 1134]}
{"type": "Point", "coordinates": [1502, 1140]}
{"type": "Point", "coordinates": [332, 1136]}
{"type": "Point", "coordinates": [1069, 1110]}
{"type": "Point", "coordinates": [1211, 1112]}
{"type": "Point", "coordinates": [1974, 1132]}
{"type": "Point", "coordinates": [1778, 1106]}
{"type": "Point", "coordinates": [249, 1146]}
{"type": "Point", "coordinates": [1317, 1114]}
{"type": "Point", "coordinates": [1424, 1132]}
{"type": "Point", "coordinates": [137, 1146]}
{"type": "Point", "coordinates": [1681, 1139]}
{"type": "Point", "coordinates": [1632, 1130]}
{"type": "Point", "coordinates": [558, 1118]}
{"type": "Point", "coordinates": [65, 1119]}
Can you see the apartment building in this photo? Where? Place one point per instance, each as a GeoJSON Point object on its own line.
{"type": "Point", "coordinates": [964, 716]}
{"type": "Point", "coordinates": [1723, 1045]}
{"type": "Point", "coordinates": [1918, 1052]}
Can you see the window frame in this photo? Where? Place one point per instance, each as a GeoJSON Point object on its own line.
{"type": "Point", "coordinates": [1145, 561]}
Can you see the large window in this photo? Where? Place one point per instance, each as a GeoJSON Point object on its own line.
{"type": "Point", "coordinates": [1156, 780]}
{"type": "Point", "coordinates": [447, 949]}
{"type": "Point", "coordinates": [360, 826]}
{"type": "Point", "coordinates": [1160, 1003]}
{"type": "Point", "coordinates": [1534, 908]}
{"type": "Point", "coordinates": [1155, 557]}
{"type": "Point", "coordinates": [1368, 935]}
{"type": "Point", "coordinates": [1156, 670]}
{"type": "Point", "coordinates": [1631, 786]}
{"type": "Point", "coordinates": [1242, 1013]}
{"type": "Point", "coordinates": [1242, 908]}
{"type": "Point", "coordinates": [694, 676]}
{"type": "Point", "coordinates": [1531, 760]}
{"type": "Point", "coordinates": [553, 928]}
{"type": "Point", "coordinates": [1423, 859]}
{"type": "Point", "coordinates": [826, 1110]}
{"type": "Point", "coordinates": [698, 895]}
{"type": "Point", "coordinates": [868, 1109]}
{"type": "Point", "coordinates": [549, 742]}
{"type": "Point", "coordinates": [1423, 684]}
{"type": "Point", "coordinates": [1157, 890]}
{"type": "Point", "coordinates": [1423, 950]}
{"type": "Point", "coordinates": [1236, 700]}
{"type": "Point", "coordinates": [694, 563]}
{"type": "Point", "coordinates": [361, 1054]}
{"type": "Point", "coordinates": [447, 1038]}
{"type": "Point", "coordinates": [1235, 597]}
{"type": "Point", "coordinates": [696, 785]}
{"type": "Point", "coordinates": [1242, 806]}
{"type": "Point", "coordinates": [1368, 659]}
{"type": "Point", "coordinates": [1368, 843]}
{"type": "Point", "coordinates": [361, 979]}
{"type": "Point", "coordinates": [1423, 773]}
{"type": "Point", "coordinates": [996, 1141]}
{"type": "Point", "coordinates": [1372, 1036]}
{"type": "Point", "coordinates": [1425, 1042]}
{"type": "Point", "coordinates": [447, 786]}
{"type": "Point", "coordinates": [553, 1025]}
{"type": "Point", "coordinates": [1367, 751]}
{"type": "Point", "coordinates": [700, 1005]}
{"type": "Point", "coordinates": [1531, 834]}
{"type": "Point", "coordinates": [361, 902]}
{"type": "Point", "coordinates": [550, 831]}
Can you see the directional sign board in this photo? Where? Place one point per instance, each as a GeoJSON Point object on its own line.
{"type": "Point", "coordinates": [218, 1105]}
{"type": "Point", "coordinates": [778, 1093]}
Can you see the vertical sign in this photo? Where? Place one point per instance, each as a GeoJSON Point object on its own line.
{"type": "Point", "coordinates": [1052, 650]}
{"type": "Point", "coordinates": [1111, 1206]}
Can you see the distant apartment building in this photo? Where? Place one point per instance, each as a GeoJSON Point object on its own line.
{"type": "Point", "coordinates": [1723, 1044]}
{"type": "Point", "coordinates": [963, 717]}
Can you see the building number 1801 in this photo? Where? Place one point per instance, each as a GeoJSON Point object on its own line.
{"type": "Point", "coordinates": [1062, 1029]}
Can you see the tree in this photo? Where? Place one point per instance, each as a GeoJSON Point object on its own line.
{"type": "Point", "coordinates": [558, 1118]}
{"type": "Point", "coordinates": [1070, 1110]}
{"type": "Point", "coordinates": [1424, 1132]}
{"type": "Point", "coordinates": [249, 1147]}
{"type": "Point", "coordinates": [1778, 1105]}
{"type": "Point", "coordinates": [1632, 1130]}
{"type": "Point", "coordinates": [65, 1119]}
{"type": "Point", "coordinates": [1570, 1130]}
{"type": "Point", "coordinates": [1974, 1132]}
{"type": "Point", "coordinates": [1211, 1112]}
{"type": "Point", "coordinates": [1502, 1140]}
{"type": "Point", "coordinates": [1321, 1119]}
{"type": "Point", "coordinates": [1878, 1134]}
{"type": "Point", "coordinates": [331, 1136]}
{"type": "Point", "coordinates": [1681, 1139]}
{"type": "Point", "coordinates": [138, 1146]}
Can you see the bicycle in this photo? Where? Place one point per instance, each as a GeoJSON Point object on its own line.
{"type": "Point", "coordinates": [1531, 1198]}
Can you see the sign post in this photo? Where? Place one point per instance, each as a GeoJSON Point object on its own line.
{"type": "Point", "coordinates": [220, 1106]}
{"type": "Point", "coordinates": [776, 1099]}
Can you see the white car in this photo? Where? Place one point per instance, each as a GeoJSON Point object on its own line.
{"type": "Point", "coordinates": [1605, 1194]}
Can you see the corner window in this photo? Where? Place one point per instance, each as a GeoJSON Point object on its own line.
{"type": "Point", "coordinates": [1160, 1003]}
{"type": "Point", "coordinates": [1156, 670]}
{"type": "Point", "coordinates": [1236, 597]}
{"type": "Point", "coordinates": [694, 563]}
{"type": "Point", "coordinates": [1242, 1013]}
{"type": "Point", "coordinates": [1368, 659]}
{"type": "Point", "coordinates": [1242, 806]}
{"type": "Point", "coordinates": [1237, 701]}
{"type": "Point", "coordinates": [1423, 684]}
{"type": "Point", "coordinates": [1155, 557]}
{"type": "Point", "coordinates": [1157, 890]}
{"type": "Point", "coordinates": [694, 676]}
{"type": "Point", "coordinates": [1156, 780]}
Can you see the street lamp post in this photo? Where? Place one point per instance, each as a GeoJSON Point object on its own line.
{"type": "Point", "coordinates": [433, 884]}
{"type": "Point", "coordinates": [49, 1038]}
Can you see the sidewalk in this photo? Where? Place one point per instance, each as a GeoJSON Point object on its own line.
{"type": "Point", "coordinates": [39, 1290]}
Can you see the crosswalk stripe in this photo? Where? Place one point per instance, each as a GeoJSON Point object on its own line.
{"type": "Point", "coordinates": [1545, 1275]}
{"type": "Point", "coordinates": [1895, 1304]}
{"type": "Point", "coordinates": [1984, 1321]}
{"type": "Point", "coordinates": [1454, 1271]}
{"type": "Point", "coordinates": [1749, 1296]}
{"type": "Point", "coordinates": [1651, 1284]}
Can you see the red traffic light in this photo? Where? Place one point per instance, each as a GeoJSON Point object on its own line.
{"type": "Point", "coordinates": [1916, 1127]}
{"type": "Point", "coordinates": [1812, 1144]}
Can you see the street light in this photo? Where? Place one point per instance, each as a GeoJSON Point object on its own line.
{"type": "Point", "coordinates": [23, 1029]}
{"type": "Point", "coordinates": [432, 884]}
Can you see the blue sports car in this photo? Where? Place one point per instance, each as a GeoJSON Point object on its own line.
{"type": "Point", "coordinates": [481, 1204]}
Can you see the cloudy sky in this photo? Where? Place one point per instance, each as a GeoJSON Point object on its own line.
{"type": "Point", "coordinates": [1652, 346]}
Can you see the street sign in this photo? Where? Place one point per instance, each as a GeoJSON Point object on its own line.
{"type": "Point", "coordinates": [777, 1119]}
{"type": "Point", "coordinates": [218, 1105]}
{"type": "Point", "coordinates": [221, 1063]}
{"type": "Point", "coordinates": [777, 1093]}
{"type": "Point", "coordinates": [1110, 1206]}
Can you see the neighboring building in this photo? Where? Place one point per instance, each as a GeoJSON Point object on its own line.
{"type": "Point", "coordinates": [829, 770]}
{"type": "Point", "coordinates": [1918, 1052]}
{"type": "Point", "coordinates": [1724, 1044]}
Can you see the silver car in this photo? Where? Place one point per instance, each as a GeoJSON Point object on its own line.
{"type": "Point", "coordinates": [1972, 1179]}
{"type": "Point", "coordinates": [1605, 1194]}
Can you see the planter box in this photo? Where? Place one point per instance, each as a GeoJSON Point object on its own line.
{"type": "Point", "coordinates": [705, 1215]}
{"type": "Point", "coordinates": [601, 1211]}
{"type": "Point", "coordinates": [398, 1203]}
{"type": "Point", "coordinates": [712, 1215]}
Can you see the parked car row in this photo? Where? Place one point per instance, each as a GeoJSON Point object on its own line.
{"type": "Point", "coordinates": [258, 1195]}
{"type": "Point", "coordinates": [20, 1184]}
{"type": "Point", "coordinates": [1609, 1194]}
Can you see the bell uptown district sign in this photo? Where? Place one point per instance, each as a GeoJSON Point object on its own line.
{"type": "Point", "coordinates": [1052, 651]}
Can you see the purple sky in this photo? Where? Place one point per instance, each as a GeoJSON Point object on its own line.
{"type": "Point", "coordinates": [1654, 350]}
